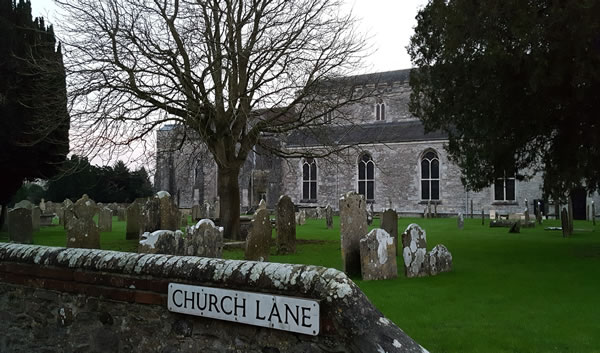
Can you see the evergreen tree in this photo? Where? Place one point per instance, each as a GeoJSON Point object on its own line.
{"type": "Point", "coordinates": [34, 122]}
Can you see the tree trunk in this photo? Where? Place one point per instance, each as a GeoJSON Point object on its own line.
{"type": "Point", "coordinates": [3, 214]}
{"type": "Point", "coordinates": [229, 201]}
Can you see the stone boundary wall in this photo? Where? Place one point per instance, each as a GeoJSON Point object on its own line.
{"type": "Point", "coordinates": [80, 300]}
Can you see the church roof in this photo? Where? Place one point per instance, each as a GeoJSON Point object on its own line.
{"type": "Point", "coordinates": [380, 132]}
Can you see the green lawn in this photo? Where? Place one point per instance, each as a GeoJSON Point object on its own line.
{"type": "Point", "coordinates": [528, 292]}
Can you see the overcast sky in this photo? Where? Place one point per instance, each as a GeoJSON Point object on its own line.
{"type": "Point", "coordinates": [389, 24]}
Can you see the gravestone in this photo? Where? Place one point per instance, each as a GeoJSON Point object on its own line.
{"type": "Point", "coordinates": [259, 237]}
{"type": "Point", "coordinates": [593, 213]}
{"type": "Point", "coordinates": [24, 204]}
{"type": "Point", "coordinates": [36, 214]}
{"type": "Point", "coordinates": [440, 260]}
{"type": "Point", "coordinates": [203, 239]}
{"type": "Point", "coordinates": [370, 215]}
{"type": "Point", "coordinates": [301, 218]}
{"type": "Point", "coordinates": [196, 213]}
{"type": "Point", "coordinates": [460, 221]}
{"type": "Point", "coordinates": [526, 212]}
{"type": "Point", "coordinates": [515, 228]}
{"type": "Point", "coordinates": [414, 251]}
{"type": "Point", "coordinates": [425, 214]}
{"type": "Point", "coordinates": [82, 231]}
{"type": "Point", "coordinates": [539, 213]}
{"type": "Point", "coordinates": [205, 210]}
{"type": "Point", "coordinates": [105, 219]}
{"type": "Point", "coordinates": [67, 207]}
{"type": "Point", "coordinates": [42, 206]}
{"type": "Point", "coordinates": [121, 214]}
{"type": "Point", "coordinates": [134, 220]}
{"type": "Point", "coordinates": [564, 221]}
{"type": "Point", "coordinates": [161, 242]}
{"type": "Point", "coordinates": [169, 212]}
{"type": "Point", "coordinates": [353, 226]}
{"type": "Point", "coordinates": [389, 222]}
{"type": "Point", "coordinates": [286, 226]}
{"type": "Point", "coordinates": [378, 256]}
{"type": "Point", "coordinates": [329, 217]}
{"type": "Point", "coordinates": [50, 207]}
{"type": "Point", "coordinates": [217, 209]}
{"type": "Point", "coordinates": [262, 205]}
{"type": "Point", "coordinates": [319, 212]}
{"type": "Point", "coordinates": [20, 227]}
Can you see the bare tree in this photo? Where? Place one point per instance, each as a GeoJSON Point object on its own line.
{"type": "Point", "coordinates": [229, 70]}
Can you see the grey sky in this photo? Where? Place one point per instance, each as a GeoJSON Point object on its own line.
{"type": "Point", "coordinates": [389, 24]}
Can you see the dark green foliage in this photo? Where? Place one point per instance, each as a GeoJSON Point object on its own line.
{"type": "Point", "coordinates": [516, 86]}
{"type": "Point", "coordinates": [34, 122]}
{"type": "Point", "coordinates": [29, 191]}
{"type": "Point", "coordinates": [102, 184]}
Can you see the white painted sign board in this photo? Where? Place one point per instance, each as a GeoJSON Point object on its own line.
{"type": "Point", "coordinates": [266, 310]}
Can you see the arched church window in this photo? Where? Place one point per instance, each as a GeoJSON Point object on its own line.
{"type": "Point", "coordinates": [309, 180]}
{"type": "Point", "coordinates": [380, 110]}
{"type": "Point", "coordinates": [366, 177]}
{"type": "Point", "coordinates": [430, 176]}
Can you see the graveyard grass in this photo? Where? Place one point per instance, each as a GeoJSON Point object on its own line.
{"type": "Point", "coordinates": [528, 292]}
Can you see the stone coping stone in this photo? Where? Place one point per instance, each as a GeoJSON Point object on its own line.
{"type": "Point", "coordinates": [345, 310]}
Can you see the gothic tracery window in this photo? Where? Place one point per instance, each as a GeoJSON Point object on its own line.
{"type": "Point", "coordinates": [430, 176]}
{"type": "Point", "coordinates": [309, 180]}
{"type": "Point", "coordinates": [366, 177]}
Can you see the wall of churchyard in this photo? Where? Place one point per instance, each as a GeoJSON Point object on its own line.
{"type": "Point", "coordinates": [82, 300]}
{"type": "Point", "coordinates": [398, 181]}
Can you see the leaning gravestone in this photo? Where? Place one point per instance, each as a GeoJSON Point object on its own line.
{"type": "Point", "coordinates": [203, 239]}
{"type": "Point", "coordinates": [262, 205]}
{"type": "Point", "coordinates": [36, 214]}
{"type": "Point", "coordinates": [20, 228]}
{"type": "Point", "coordinates": [259, 237]}
{"type": "Point", "coordinates": [378, 256]}
{"type": "Point", "coordinates": [24, 204]}
{"type": "Point", "coordinates": [414, 250]}
{"type": "Point", "coordinates": [353, 226]}
{"type": "Point", "coordinates": [460, 221]}
{"type": "Point", "coordinates": [329, 217]}
{"type": "Point", "coordinates": [134, 218]}
{"type": "Point", "coordinates": [82, 232]}
{"type": "Point", "coordinates": [389, 222]}
{"type": "Point", "coordinates": [67, 213]}
{"type": "Point", "coordinates": [196, 213]}
{"type": "Point", "coordinates": [286, 226]}
{"type": "Point", "coordinates": [105, 219]}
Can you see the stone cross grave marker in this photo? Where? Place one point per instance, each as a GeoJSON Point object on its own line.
{"type": "Point", "coordinates": [258, 242]}
{"type": "Point", "coordinates": [286, 226]}
{"type": "Point", "coordinates": [353, 226]}
{"type": "Point", "coordinates": [378, 256]}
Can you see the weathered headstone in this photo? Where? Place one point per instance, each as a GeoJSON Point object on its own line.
{"type": "Point", "coordinates": [301, 218]}
{"type": "Point", "coordinates": [82, 231]}
{"type": "Point", "coordinates": [105, 219]}
{"type": "Point", "coordinates": [389, 222]}
{"type": "Point", "coordinates": [378, 256]}
{"type": "Point", "coordinates": [593, 213]}
{"type": "Point", "coordinates": [353, 226]}
{"type": "Point", "coordinates": [564, 221]}
{"type": "Point", "coordinates": [24, 204]}
{"type": "Point", "coordinates": [204, 239]}
{"type": "Point", "coordinates": [67, 213]}
{"type": "Point", "coordinates": [515, 228]}
{"type": "Point", "coordinates": [20, 228]}
{"type": "Point", "coordinates": [318, 213]}
{"type": "Point", "coordinates": [42, 206]}
{"type": "Point", "coordinates": [217, 209]}
{"type": "Point", "coordinates": [161, 242]}
{"type": "Point", "coordinates": [329, 217]}
{"type": "Point", "coordinates": [262, 205]}
{"type": "Point", "coordinates": [36, 213]}
{"type": "Point", "coordinates": [134, 221]}
{"type": "Point", "coordinates": [259, 237]}
{"type": "Point", "coordinates": [205, 210]}
{"type": "Point", "coordinates": [370, 214]}
{"type": "Point", "coordinates": [414, 250]}
{"type": "Point", "coordinates": [538, 215]}
{"type": "Point", "coordinates": [286, 226]}
{"type": "Point", "coordinates": [460, 221]}
{"type": "Point", "coordinates": [169, 212]}
{"type": "Point", "coordinates": [121, 214]}
{"type": "Point", "coordinates": [196, 213]}
{"type": "Point", "coordinates": [440, 260]}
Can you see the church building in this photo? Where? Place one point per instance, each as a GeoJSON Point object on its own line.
{"type": "Point", "coordinates": [390, 160]}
